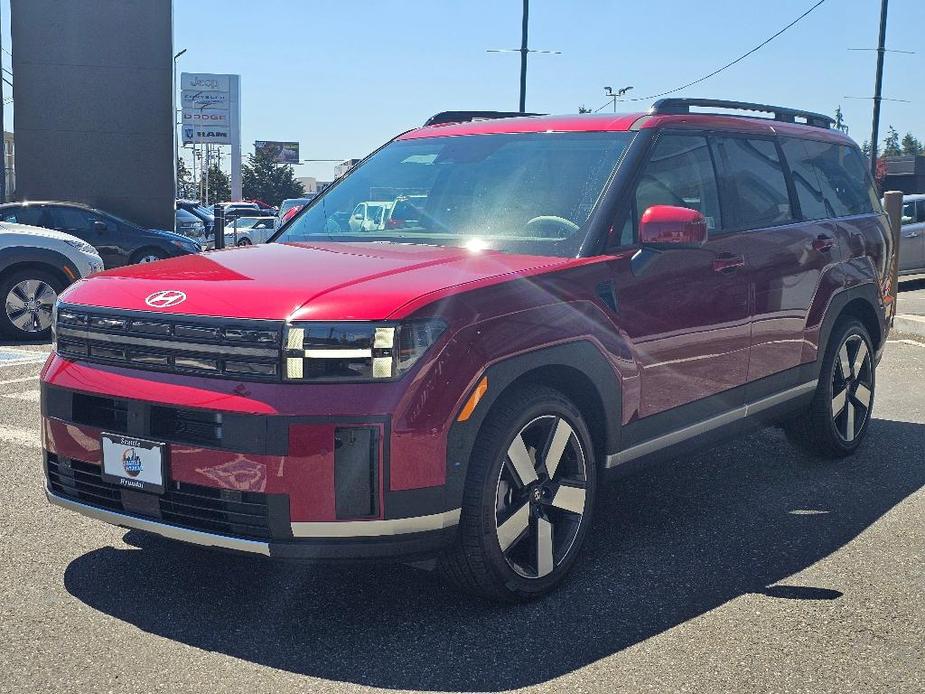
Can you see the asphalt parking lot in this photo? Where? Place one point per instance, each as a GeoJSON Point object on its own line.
{"type": "Point", "coordinates": [746, 568]}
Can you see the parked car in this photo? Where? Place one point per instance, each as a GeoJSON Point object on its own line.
{"type": "Point", "coordinates": [912, 236]}
{"type": "Point", "coordinates": [265, 208]}
{"type": "Point", "coordinates": [35, 266]}
{"type": "Point", "coordinates": [580, 295]}
{"type": "Point", "coordinates": [406, 211]}
{"type": "Point", "coordinates": [370, 215]}
{"type": "Point", "coordinates": [118, 241]}
{"type": "Point", "coordinates": [239, 209]}
{"type": "Point", "coordinates": [204, 214]}
{"type": "Point", "coordinates": [246, 231]}
{"type": "Point", "coordinates": [190, 226]}
{"type": "Point", "coordinates": [290, 203]}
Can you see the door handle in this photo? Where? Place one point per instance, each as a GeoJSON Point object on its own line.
{"type": "Point", "coordinates": [728, 264]}
{"type": "Point", "coordinates": [823, 243]}
{"type": "Point", "coordinates": [911, 235]}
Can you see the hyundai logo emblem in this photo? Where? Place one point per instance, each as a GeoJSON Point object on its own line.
{"type": "Point", "coordinates": [165, 298]}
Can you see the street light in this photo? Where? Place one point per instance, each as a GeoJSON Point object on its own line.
{"type": "Point", "coordinates": [608, 91]}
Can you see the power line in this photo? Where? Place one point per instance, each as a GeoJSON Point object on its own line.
{"type": "Point", "coordinates": [727, 65]}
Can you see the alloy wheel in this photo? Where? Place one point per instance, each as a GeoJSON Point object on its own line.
{"type": "Point", "coordinates": [852, 388]}
{"type": "Point", "coordinates": [150, 258]}
{"type": "Point", "coordinates": [540, 498]}
{"type": "Point", "coordinates": [29, 304]}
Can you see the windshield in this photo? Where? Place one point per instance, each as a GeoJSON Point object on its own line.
{"type": "Point", "coordinates": [525, 193]}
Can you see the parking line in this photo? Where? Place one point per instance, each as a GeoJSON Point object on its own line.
{"type": "Point", "coordinates": [908, 342]}
{"type": "Point", "coordinates": [20, 437]}
{"type": "Point", "coordinates": [10, 381]}
{"type": "Point", "coordinates": [27, 395]}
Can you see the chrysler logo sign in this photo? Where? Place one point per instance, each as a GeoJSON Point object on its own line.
{"type": "Point", "coordinates": [165, 298]}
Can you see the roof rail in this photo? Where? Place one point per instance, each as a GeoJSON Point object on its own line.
{"type": "Point", "coordinates": [784, 115]}
{"type": "Point", "coordinates": [445, 117]}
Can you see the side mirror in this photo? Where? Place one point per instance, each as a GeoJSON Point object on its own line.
{"type": "Point", "coordinates": [99, 227]}
{"type": "Point", "coordinates": [666, 226]}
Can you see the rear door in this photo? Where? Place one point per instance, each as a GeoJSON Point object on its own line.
{"type": "Point", "coordinates": [912, 237]}
{"type": "Point", "coordinates": [787, 254]}
{"type": "Point", "coordinates": [685, 311]}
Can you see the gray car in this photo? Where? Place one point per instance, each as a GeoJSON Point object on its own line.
{"type": "Point", "coordinates": [912, 236]}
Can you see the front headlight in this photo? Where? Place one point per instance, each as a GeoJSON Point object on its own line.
{"type": "Point", "coordinates": [81, 246]}
{"type": "Point", "coordinates": [356, 351]}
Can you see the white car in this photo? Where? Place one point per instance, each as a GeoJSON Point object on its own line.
{"type": "Point", "coordinates": [250, 230]}
{"type": "Point", "coordinates": [36, 264]}
{"type": "Point", "coordinates": [370, 215]}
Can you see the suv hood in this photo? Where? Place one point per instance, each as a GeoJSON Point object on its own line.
{"type": "Point", "coordinates": [322, 281]}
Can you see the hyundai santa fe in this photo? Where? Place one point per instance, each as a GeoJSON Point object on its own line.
{"type": "Point", "coordinates": [572, 297]}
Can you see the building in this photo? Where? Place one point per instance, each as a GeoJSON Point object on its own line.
{"type": "Point", "coordinates": [905, 173]}
{"type": "Point", "coordinates": [309, 183]}
{"type": "Point", "coordinates": [344, 167]}
{"type": "Point", "coordinates": [9, 154]}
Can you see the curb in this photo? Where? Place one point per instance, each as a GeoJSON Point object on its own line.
{"type": "Point", "coordinates": [909, 324]}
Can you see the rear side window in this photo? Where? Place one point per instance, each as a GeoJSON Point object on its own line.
{"type": "Point", "coordinates": [841, 175]}
{"type": "Point", "coordinates": [754, 182]}
{"type": "Point", "coordinates": [24, 215]}
{"type": "Point", "coordinates": [70, 219]}
{"type": "Point", "coordinates": [805, 180]}
{"type": "Point", "coordinates": [908, 214]}
{"type": "Point", "coordinates": [920, 205]}
{"type": "Point", "coordinates": [680, 173]}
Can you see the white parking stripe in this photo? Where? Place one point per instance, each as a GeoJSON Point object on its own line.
{"type": "Point", "coordinates": [10, 381]}
{"type": "Point", "coordinates": [908, 342]}
{"type": "Point", "coordinates": [26, 395]}
{"type": "Point", "coordinates": [28, 438]}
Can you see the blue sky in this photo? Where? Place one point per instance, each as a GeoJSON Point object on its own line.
{"type": "Point", "coordinates": [343, 77]}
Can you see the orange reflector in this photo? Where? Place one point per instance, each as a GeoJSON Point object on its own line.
{"type": "Point", "coordinates": [70, 273]}
{"type": "Point", "coordinates": [473, 400]}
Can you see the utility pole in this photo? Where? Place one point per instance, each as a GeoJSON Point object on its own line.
{"type": "Point", "coordinates": [2, 130]}
{"type": "Point", "coordinates": [523, 57]}
{"type": "Point", "coordinates": [524, 51]}
{"type": "Point", "coordinates": [878, 90]}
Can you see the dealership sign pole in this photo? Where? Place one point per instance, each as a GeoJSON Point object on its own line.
{"type": "Point", "coordinates": [212, 115]}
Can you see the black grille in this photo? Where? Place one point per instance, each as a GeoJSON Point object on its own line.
{"type": "Point", "coordinates": [103, 413]}
{"type": "Point", "coordinates": [191, 426]}
{"type": "Point", "coordinates": [229, 348]}
{"type": "Point", "coordinates": [240, 514]}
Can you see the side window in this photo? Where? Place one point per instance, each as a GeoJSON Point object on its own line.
{"type": "Point", "coordinates": [755, 181]}
{"type": "Point", "coordinates": [24, 215]}
{"type": "Point", "coordinates": [680, 173]}
{"type": "Point", "coordinates": [920, 205]}
{"type": "Point", "coordinates": [908, 214]}
{"type": "Point", "coordinates": [805, 179]}
{"type": "Point", "coordinates": [843, 178]}
{"type": "Point", "coordinates": [70, 219]}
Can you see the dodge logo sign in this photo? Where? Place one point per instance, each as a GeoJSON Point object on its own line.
{"type": "Point", "coordinates": [165, 298]}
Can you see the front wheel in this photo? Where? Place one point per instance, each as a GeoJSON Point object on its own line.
{"type": "Point", "coordinates": [839, 415]}
{"type": "Point", "coordinates": [528, 498]}
{"type": "Point", "coordinates": [148, 255]}
{"type": "Point", "coordinates": [28, 298]}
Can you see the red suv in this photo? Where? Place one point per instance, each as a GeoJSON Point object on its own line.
{"type": "Point", "coordinates": [574, 296]}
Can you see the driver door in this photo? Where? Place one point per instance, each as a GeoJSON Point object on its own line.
{"type": "Point", "coordinates": [685, 311]}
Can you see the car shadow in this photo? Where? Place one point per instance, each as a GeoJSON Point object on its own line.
{"type": "Point", "coordinates": [910, 285]}
{"type": "Point", "coordinates": [670, 543]}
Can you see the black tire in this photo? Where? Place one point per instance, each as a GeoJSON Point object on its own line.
{"type": "Point", "coordinates": [27, 315]}
{"type": "Point", "coordinates": [147, 255]}
{"type": "Point", "coordinates": [554, 528]}
{"type": "Point", "coordinates": [839, 415]}
{"type": "Point", "coordinates": [244, 242]}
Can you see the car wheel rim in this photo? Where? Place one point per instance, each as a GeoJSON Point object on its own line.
{"type": "Point", "coordinates": [541, 496]}
{"type": "Point", "coordinates": [149, 258]}
{"type": "Point", "coordinates": [852, 388]}
{"type": "Point", "coordinates": [29, 305]}
{"type": "Point", "coordinates": [244, 242]}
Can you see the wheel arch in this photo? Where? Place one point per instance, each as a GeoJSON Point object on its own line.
{"type": "Point", "coordinates": [46, 259]}
{"type": "Point", "coordinates": [576, 369]}
{"type": "Point", "coordinates": [858, 302]}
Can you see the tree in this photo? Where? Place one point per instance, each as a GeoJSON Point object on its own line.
{"type": "Point", "coordinates": [865, 148]}
{"type": "Point", "coordinates": [840, 120]}
{"type": "Point", "coordinates": [584, 109]}
{"type": "Point", "coordinates": [262, 178]}
{"type": "Point", "coordinates": [219, 185]}
{"type": "Point", "coordinates": [911, 145]}
{"type": "Point", "coordinates": [891, 143]}
{"type": "Point", "coordinates": [186, 186]}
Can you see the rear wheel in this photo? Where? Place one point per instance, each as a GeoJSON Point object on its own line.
{"type": "Point", "coordinates": [528, 498]}
{"type": "Point", "coordinates": [244, 242]}
{"type": "Point", "coordinates": [839, 415]}
{"type": "Point", "coordinates": [28, 298]}
{"type": "Point", "coordinates": [148, 255]}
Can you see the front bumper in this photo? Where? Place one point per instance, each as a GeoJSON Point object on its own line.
{"type": "Point", "coordinates": [395, 540]}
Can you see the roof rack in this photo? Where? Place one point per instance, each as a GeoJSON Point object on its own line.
{"type": "Point", "coordinates": [445, 117]}
{"type": "Point", "coordinates": [784, 115]}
